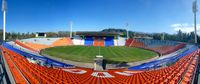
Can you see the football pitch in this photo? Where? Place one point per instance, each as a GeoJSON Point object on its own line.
{"type": "Point", "coordinates": [87, 54]}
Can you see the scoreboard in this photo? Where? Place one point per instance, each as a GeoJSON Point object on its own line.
{"type": "Point", "coordinates": [40, 34]}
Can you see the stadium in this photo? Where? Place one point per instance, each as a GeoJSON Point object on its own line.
{"type": "Point", "coordinates": [97, 57]}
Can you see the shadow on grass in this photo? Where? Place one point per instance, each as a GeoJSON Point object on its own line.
{"type": "Point", "coordinates": [117, 63]}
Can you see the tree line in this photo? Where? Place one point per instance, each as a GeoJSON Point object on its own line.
{"type": "Point", "coordinates": [179, 36]}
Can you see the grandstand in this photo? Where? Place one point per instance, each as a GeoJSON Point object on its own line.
{"type": "Point", "coordinates": [178, 63]}
{"type": "Point", "coordinates": [109, 41]}
{"type": "Point", "coordinates": [89, 41]}
{"type": "Point", "coordinates": [36, 44]}
{"type": "Point", "coordinates": [104, 57]}
{"type": "Point", "coordinates": [162, 47]}
{"type": "Point", "coordinates": [99, 39]}
{"type": "Point", "coordinates": [21, 69]}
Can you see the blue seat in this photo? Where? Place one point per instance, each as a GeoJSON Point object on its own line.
{"type": "Point", "coordinates": [89, 41]}
{"type": "Point", "coordinates": [29, 55]}
{"type": "Point", "coordinates": [109, 41]}
{"type": "Point", "coordinates": [156, 63]}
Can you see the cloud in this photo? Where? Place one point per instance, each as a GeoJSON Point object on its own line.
{"type": "Point", "coordinates": [187, 28]}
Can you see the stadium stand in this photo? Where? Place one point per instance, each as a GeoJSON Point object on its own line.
{"type": "Point", "coordinates": [180, 68]}
{"type": "Point", "coordinates": [62, 42]}
{"type": "Point", "coordinates": [42, 59]}
{"type": "Point", "coordinates": [162, 47]}
{"type": "Point", "coordinates": [44, 41]}
{"type": "Point", "coordinates": [19, 79]}
{"type": "Point", "coordinates": [89, 41]}
{"type": "Point", "coordinates": [181, 71]}
{"type": "Point", "coordinates": [34, 46]}
{"type": "Point", "coordinates": [129, 41]}
{"type": "Point", "coordinates": [78, 40]}
{"type": "Point", "coordinates": [82, 42]}
{"type": "Point", "coordinates": [121, 41]}
{"type": "Point", "coordinates": [158, 63]}
{"type": "Point", "coordinates": [115, 42]}
{"type": "Point", "coordinates": [109, 41]}
{"type": "Point", "coordinates": [99, 42]}
{"type": "Point", "coordinates": [25, 46]}
{"type": "Point", "coordinates": [22, 48]}
{"type": "Point", "coordinates": [108, 38]}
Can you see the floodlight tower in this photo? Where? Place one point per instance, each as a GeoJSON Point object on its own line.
{"type": "Point", "coordinates": [194, 10]}
{"type": "Point", "coordinates": [4, 9]}
{"type": "Point", "coordinates": [127, 30]}
{"type": "Point", "coordinates": [71, 24]}
{"type": "Point", "coordinates": [163, 36]}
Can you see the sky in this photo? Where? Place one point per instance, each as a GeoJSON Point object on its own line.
{"type": "Point", "coordinates": [152, 16]}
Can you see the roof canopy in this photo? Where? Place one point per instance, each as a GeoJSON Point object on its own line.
{"type": "Point", "coordinates": [97, 33]}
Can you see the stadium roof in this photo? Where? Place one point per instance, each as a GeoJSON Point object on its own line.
{"type": "Point", "coordinates": [98, 33]}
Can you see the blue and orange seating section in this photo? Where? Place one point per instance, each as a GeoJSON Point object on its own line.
{"type": "Point", "coordinates": [180, 72]}
{"type": "Point", "coordinates": [38, 47]}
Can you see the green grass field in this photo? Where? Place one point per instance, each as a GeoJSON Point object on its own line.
{"type": "Point", "coordinates": [88, 53]}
